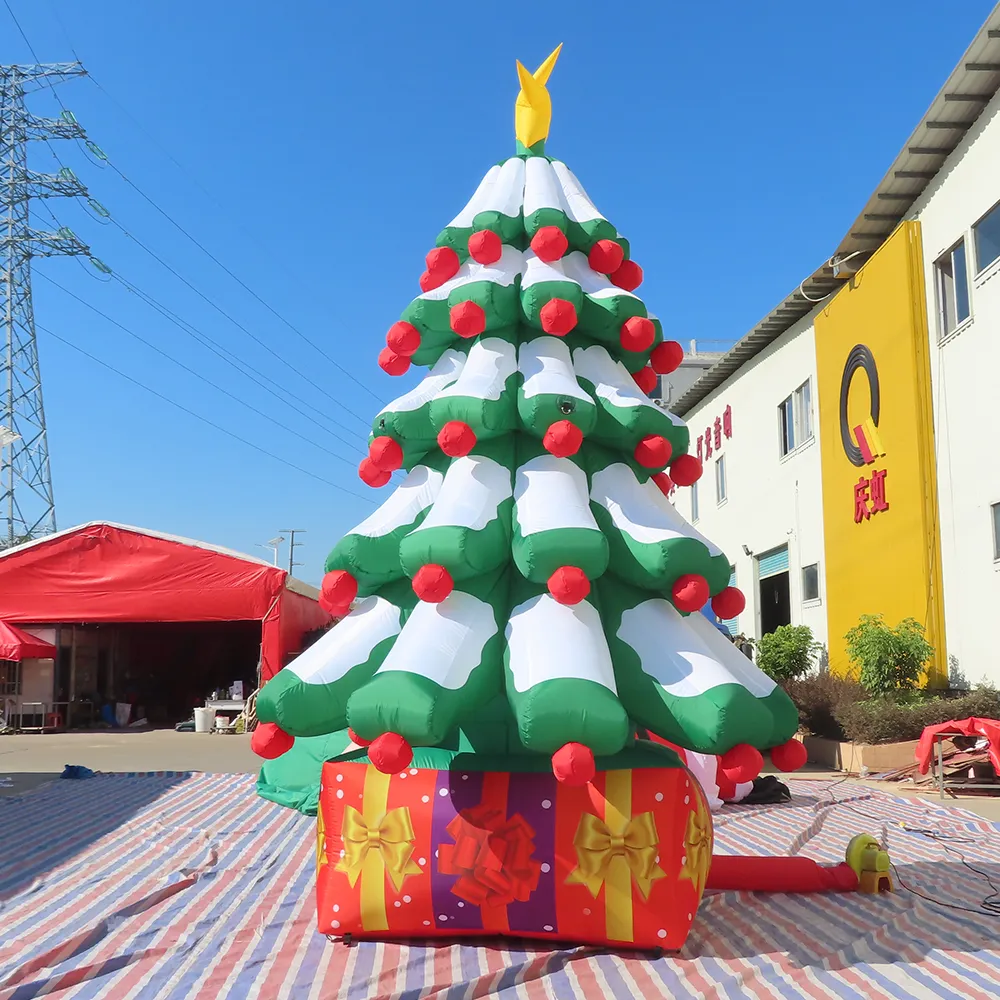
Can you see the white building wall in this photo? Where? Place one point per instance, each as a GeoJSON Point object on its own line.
{"type": "Point", "coordinates": [771, 500]}
{"type": "Point", "coordinates": [965, 379]}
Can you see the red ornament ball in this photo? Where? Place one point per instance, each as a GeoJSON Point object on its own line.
{"type": "Point", "coordinates": [690, 592]}
{"type": "Point", "coordinates": [666, 357]}
{"type": "Point", "coordinates": [637, 333]}
{"type": "Point", "coordinates": [357, 739]}
{"type": "Point", "coordinates": [390, 753]}
{"type": "Point", "coordinates": [456, 439]}
{"type": "Point", "coordinates": [371, 475]}
{"type": "Point", "coordinates": [742, 763]}
{"type": "Point", "coordinates": [432, 583]}
{"type": "Point", "coordinates": [573, 764]}
{"type": "Point", "coordinates": [569, 585]}
{"type": "Point", "coordinates": [558, 317]}
{"type": "Point", "coordinates": [606, 256]}
{"type": "Point", "coordinates": [392, 363]}
{"type": "Point", "coordinates": [562, 439]}
{"type": "Point", "coordinates": [549, 243]}
{"type": "Point", "coordinates": [269, 741]}
{"type": "Point", "coordinates": [339, 589]}
{"type": "Point", "coordinates": [645, 379]}
{"type": "Point", "coordinates": [403, 339]}
{"type": "Point", "coordinates": [628, 276]}
{"type": "Point", "coordinates": [443, 262]}
{"type": "Point", "coordinates": [729, 603]}
{"type": "Point", "coordinates": [789, 756]}
{"type": "Point", "coordinates": [653, 451]}
{"type": "Point", "coordinates": [429, 281]}
{"type": "Point", "coordinates": [386, 453]}
{"type": "Point", "coordinates": [485, 247]}
{"type": "Point", "coordinates": [685, 470]}
{"type": "Point", "coordinates": [468, 319]}
{"type": "Point", "coordinates": [663, 483]}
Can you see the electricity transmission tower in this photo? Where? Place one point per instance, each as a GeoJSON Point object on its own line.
{"type": "Point", "coordinates": [27, 507]}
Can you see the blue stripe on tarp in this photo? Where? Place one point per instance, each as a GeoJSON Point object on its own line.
{"type": "Point", "coordinates": [773, 562]}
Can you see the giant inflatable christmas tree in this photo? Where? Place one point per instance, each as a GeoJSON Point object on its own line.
{"type": "Point", "coordinates": [525, 601]}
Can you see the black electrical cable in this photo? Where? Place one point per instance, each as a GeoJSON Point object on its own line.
{"type": "Point", "coordinates": [990, 904]}
{"type": "Point", "coordinates": [198, 416]}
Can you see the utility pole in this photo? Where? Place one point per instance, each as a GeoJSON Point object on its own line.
{"type": "Point", "coordinates": [292, 532]}
{"type": "Point", "coordinates": [27, 507]}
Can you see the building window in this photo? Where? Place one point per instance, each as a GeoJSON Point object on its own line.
{"type": "Point", "coordinates": [996, 531]}
{"type": "Point", "coordinates": [810, 582]}
{"type": "Point", "coordinates": [694, 502]}
{"type": "Point", "coordinates": [952, 278]}
{"type": "Point", "coordinates": [720, 479]}
{"type": "Point", "coordinates": [795, 419]}
{"type": "Point", "coordinates": [986, 233]}
{"type": "Point", "coordinates": [10, 678]}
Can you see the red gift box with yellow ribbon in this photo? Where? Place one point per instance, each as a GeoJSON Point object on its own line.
{"type": "Point", "coordinates": [434, 852]}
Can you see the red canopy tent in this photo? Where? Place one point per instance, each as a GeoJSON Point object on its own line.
{"type": "Point", "coordinates": [111, 573]}
{"type": "Point", "coordinates": [16, 644]}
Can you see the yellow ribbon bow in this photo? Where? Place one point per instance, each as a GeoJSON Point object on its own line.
{"type": "Point", "coordinates": [391, 837]}
{"type": "Point", "coordinates": [597, 847]}
{"type": "Point", "coordinates": [697, 847]}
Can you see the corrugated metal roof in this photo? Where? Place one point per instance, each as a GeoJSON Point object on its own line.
{"type": "Point", "coordinates": [971, 86]}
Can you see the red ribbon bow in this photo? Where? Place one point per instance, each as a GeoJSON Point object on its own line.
{"type": "Point", "coordinates": [492, 856]}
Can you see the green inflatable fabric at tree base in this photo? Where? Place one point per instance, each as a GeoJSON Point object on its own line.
{"type": "Point", "coordinates": [528, 555]}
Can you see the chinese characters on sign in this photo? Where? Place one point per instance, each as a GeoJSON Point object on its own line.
{"type": "Point", "coordinates": [869, 496]}
{"type": "Point", "coordinates": [711, 440]}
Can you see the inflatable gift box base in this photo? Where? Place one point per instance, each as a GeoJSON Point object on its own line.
{"type": "Point", "coordinates": [444, 851]}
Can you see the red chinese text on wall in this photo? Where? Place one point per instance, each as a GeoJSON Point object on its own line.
{"type": "Point", "coordinates": [711, 440]}
{"type": "Point", "coordinates": [869, 496]}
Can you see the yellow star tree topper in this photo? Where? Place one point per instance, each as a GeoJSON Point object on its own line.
{"type": "Point", "coordinates": [533, 108]}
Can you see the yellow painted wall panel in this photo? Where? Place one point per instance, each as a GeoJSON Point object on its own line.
{"type": "Point", "coordinates": [877, 449]}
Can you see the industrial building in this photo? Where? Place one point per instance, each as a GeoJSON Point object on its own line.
{"type": "Point", "coordinates": [849, 440]}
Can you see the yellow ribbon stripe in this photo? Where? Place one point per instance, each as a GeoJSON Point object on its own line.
{"type": "Point", "coordinates": [697, 845]}
{"type": "Point", "coordinates": [321, 858]}
{"type": "Point", "coordinates": [614, 851]}
{"type": "Point", "coordinates": [376, 843]}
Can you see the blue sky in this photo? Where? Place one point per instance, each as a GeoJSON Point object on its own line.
{"type": "Point", "coordinates": [322, 151]}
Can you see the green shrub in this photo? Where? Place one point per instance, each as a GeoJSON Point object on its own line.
{"type": "Point", "coordinates": [818, 699]}
{"type": "Point", "coordinates": [787, 652]}
{"type": "Point", "coordinates": [883, 720]}
{"type": "Point", "coordinates": [889, 659]}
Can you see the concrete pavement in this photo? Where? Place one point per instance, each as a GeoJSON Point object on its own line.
{"type": "Point", "coordinates": [32, 759]}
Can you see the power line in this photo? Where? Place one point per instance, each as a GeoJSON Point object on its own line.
{"type": "Point", "coordinates": [205, 420]}
{"type": "Point", "coordinates": [248, 371]}
{"type": "Point", "coordinates": [62, 27]}
{"type": "Point", "coordinates": [196, 374]}
{"type": "Point", "coordinates": [239, 325]}
{"type": "Point", "coordinates": [17, 24]}
{"type": "Point", "coordinates": [256, 376]}
{"type": "Point", "coordinates": [208, 253]}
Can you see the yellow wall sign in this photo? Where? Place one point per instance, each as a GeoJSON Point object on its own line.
{"type": "Point", "coordinates": [877, 440]}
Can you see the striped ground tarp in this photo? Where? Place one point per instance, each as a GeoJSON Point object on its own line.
{"type": "Point", "coordinates": [180, 887]}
